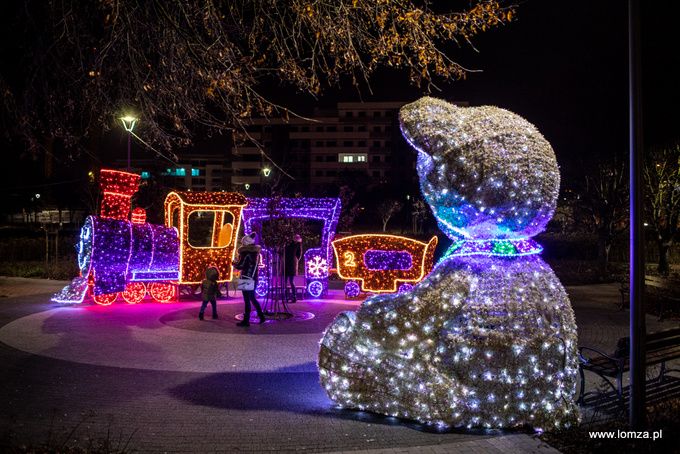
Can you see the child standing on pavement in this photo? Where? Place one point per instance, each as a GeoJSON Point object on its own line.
{"type": "Point", "coordinates": [211, 291]}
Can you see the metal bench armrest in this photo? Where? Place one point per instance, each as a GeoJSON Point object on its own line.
{"type": "Point", "coordinates": [616, 361]}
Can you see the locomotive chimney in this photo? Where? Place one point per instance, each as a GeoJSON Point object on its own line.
{"type": "Point", "coordinates": [118, 187]}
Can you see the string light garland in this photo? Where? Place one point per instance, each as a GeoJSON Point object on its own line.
{"type": "Point", "coordinates": [118, 188]}
{"type": "Point", "coordinates": [73, 293]}
{"type": "Point", "coordinates": [488, 338]}
{"type": "Point", "coordinates": [117, 256]}
{"type": "Point", "coordinates": [225, 208]}
{"type": "Point", "coordinates": [138, 216]}
{"type": "Point", "coordinates": [116, 249]}
{"type": "Point", "coordinates": [381, 262]}
{"type": "Point", "coordinates": [162, 292]}
{"type": "Point", "coordinates": [134, 292]}
{"type": "Point", "coordinates": [352, 289]}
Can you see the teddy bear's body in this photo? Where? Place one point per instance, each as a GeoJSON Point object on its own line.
{"type": "Point", "coordinates": [488, 339]}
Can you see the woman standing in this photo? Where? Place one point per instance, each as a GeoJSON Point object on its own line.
{"type": "Point", "coordinates": [248, 262]}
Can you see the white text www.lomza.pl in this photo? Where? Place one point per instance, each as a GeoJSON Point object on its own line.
{"type": "Point", "coordinates": [628, 434]}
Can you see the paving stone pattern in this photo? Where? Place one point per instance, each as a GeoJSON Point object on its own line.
{"type": "Point", "coordinates": [153, 378]}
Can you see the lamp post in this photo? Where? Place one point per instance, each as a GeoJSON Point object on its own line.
{"type": "Point", "coordinates": [129, 125]}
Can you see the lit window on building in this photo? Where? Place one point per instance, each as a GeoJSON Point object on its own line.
{"type": "Point", "coordinates": [177, 172]}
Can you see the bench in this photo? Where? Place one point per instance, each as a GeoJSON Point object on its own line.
{"type": "Point", "coordinates": [668, 290]}
{"type": "Point", "coordinates": [661, 347]}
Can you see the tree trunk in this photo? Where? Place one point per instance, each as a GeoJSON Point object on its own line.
{"type": "Point", "coordinates": [604, 245]}
{"type": "Point", "coordinates": [664, 263]}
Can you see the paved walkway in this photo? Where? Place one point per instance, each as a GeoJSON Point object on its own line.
{"type": "Point", "coordinates": [153, 378]}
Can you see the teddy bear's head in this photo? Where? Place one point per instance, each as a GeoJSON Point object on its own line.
{"type": "Point", "coordinates": [486, 172]}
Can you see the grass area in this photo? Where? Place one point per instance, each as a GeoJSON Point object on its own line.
{"type": "Point", "coordinates": [663, 420]}
{"type": "Point", "coordinates": [65, 269]}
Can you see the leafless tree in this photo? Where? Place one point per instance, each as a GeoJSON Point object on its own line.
{"type": "Point", "coordinates": [662, 199]}
{"type": "Point", "coordinates": [348, 211]}
{"type": "Point", "coordinates": [603, 204]}
{"type": "Point", "coordinates": [418, 214]}
{"type": "Point", "coordinates": [387, 209]}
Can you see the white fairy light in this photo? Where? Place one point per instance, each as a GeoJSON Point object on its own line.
{"type": "Point", "coordinates": [488, 339]}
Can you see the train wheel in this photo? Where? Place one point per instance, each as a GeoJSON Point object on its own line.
{"type": "Point", "coordinates": [262, 288]}
{"type": "Point", "coordinates": [405, 287]}
{"type": "Point", "coordinates": [134, 293]}
{"type": "Point", "coordinates": [352, 289]}
{"type": "Point", "coordinates": [105, 300]}
{"type": "Point", "coordinates": [162, 292]}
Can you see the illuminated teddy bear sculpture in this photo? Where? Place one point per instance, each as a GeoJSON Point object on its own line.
{"type": "Point", "coordinates": [488, 339]}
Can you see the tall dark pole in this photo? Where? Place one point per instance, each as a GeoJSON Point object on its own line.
{"type": "Point", "coordinates": [129, 125]}
{"type": "Point", "coordinates": [637, 416]}
{"type": "Point", "coordinates": [128, 162]}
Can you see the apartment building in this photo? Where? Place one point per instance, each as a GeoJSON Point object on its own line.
{"type": "Point", "coordinates": [205, 167]}
{"type": "Point", "coordinates": [360, 140]}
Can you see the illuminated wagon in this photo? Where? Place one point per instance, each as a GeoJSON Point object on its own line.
{"type": "Point", "coordinates": [119, 257]}
{"type": "Point", "coordinates": [207, 223]}
{"type": "Point", "coordinates": [317, 260]}
{"type": "Point", "coordinates": [382, 263]}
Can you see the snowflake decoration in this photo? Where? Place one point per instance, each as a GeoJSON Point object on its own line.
{"type": "Point", "coordinates": [317, 266]}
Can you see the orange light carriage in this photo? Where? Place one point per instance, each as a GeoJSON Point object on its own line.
{"type": "Point", "coordinates": [382, 263]}
{"type": "Point", "coordinates": [207, 224]}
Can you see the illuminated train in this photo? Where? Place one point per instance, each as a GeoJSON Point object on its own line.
{"type": "Point", "coordinates": [382, 263]}
{"type": "Point", "coordinates": [128, 259]}
{"type": "Point", "coordinates": [122, 258]}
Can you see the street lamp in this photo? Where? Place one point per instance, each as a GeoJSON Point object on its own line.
{"type": "Point", "coordinates": [266, 171]}
{"type": "Point", "coordinates": [129, 125]}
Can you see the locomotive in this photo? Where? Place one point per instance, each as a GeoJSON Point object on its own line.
{"type": "Point", "coordinates": [125, 258]}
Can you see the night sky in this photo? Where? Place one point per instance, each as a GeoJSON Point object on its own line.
{"type": "Point", "coordinates": [563, 65]}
